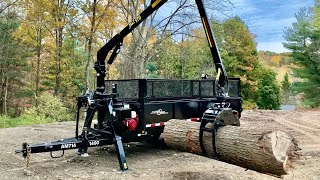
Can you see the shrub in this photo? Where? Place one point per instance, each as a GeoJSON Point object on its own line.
{"type": "Point", "coordinates": [51, 107]}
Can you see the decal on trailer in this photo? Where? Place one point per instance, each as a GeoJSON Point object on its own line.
{"type": "Point", "coordinates": [68, 146]}
{"type": "Point", "coordinates": [159, 112]}
{"type": "Point", "coordinates": [94, 143]}
{"type": "Point", "coordinates": [134, 21]}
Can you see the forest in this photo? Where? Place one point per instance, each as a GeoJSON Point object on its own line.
{"type": "Point", "coordinates": [48, 49]}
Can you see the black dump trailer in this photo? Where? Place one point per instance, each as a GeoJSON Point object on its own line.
{"type": "Point", "coordinates": [137, 109]}
{"type": "Point", "coordinates": [159, 100]}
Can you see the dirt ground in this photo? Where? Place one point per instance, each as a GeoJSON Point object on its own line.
{"type": "Point", "coordinates": [147, 162]}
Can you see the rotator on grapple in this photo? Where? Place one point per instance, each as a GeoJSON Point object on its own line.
{"type": "Point", "coordinates": [136, 110]}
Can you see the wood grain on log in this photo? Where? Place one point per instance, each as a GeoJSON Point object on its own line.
{"type": "Point", "coordinates": [260, 150]}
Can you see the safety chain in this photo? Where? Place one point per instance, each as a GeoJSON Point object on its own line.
{"type": "Point", "coordinates": [27, 159]}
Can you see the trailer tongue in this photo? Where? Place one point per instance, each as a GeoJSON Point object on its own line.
{"type": "Point", "coordinates": [137, 109]}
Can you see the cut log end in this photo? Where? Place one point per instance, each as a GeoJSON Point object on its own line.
{"type": "Point", "coordinates": [283, 148]}
{"type": "Point", "coordinates": [270, 152]}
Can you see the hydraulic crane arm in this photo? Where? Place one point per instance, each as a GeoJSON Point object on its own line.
{"type": "Point", "coordinates": [221, 72]}
{"type": "Point", "coordinates": [116, 42]}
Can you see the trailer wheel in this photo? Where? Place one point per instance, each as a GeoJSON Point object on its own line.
{"type": "Point", "coordinates": [153, 139]}
{"type": "Point", "coordinates": [157, 142]}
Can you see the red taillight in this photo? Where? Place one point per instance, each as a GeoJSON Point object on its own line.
{"type": "Point", "coordinates": [131, 123]}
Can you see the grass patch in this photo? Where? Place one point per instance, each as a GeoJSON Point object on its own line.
{"type": "Point", "coordinates": [51, 109]}
{"type": "Point", "coordinates": [6, 121]}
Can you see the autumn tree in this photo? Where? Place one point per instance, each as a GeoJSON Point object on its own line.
{"type": "Point", "coordinates": [276, 60]}
{"type": "Point", "coordinates": [58, 10]}
{"type": "Point", "coordinates": [100, 19]}
{"type": "Point", "coordinates": [32, 32]}
{"type": "Point", "coordinates": [240, 56]}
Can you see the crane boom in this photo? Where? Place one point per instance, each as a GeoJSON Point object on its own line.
{"type": "Point", "coordinates": [115, 44]}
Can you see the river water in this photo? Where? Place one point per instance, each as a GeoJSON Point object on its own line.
{"type": "Point", "coordinates": [287, 107]}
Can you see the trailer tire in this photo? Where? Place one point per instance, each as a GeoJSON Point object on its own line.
{"type": "Point", "coordinates": [153, 138]}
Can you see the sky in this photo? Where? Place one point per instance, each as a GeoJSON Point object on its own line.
{"type": "Point", "coordinates": [268, 18]}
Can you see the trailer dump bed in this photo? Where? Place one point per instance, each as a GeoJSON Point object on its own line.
{"type": "Point", "coordinates": [152, 89]}
{"type": "Point", "coordinates": [159, 100]}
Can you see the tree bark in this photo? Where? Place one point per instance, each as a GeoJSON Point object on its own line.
{"type": "Point", "coordinates": [265, 151]}
{"type": "Point", "coordinates": [5, 108]}
{"type": "Point", "coordinates": [39, 49]}
{"type": "Point", "coordinates": [59, 42]}
{"type": "Point", "coordinates": [90, 41]}
{"type": "Point", "coordinates": [59, 15]}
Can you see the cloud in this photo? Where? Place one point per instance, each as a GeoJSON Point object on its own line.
{"type": "Point", "coordinates": [270, 29]}
{"type": "Point", "coordinates": [274, 46]}
{"type": "Point", "coordinates": [268, 18]}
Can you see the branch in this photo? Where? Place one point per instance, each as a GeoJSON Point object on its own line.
{"type": "Point", "coordinates": [7, 6]}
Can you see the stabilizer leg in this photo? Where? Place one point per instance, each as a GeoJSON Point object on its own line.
{"type": "Point", "coordinates": [120, 153]}
{"type": "Point", "coordinates": [117, 140]}
{"type": "Point", "coordinates": [85, 143]}
{"type": "Point", "coordinates": [83, 151]}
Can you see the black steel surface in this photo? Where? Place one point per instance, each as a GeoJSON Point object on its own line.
{"type": "Point", "coordinates": [163, 89]}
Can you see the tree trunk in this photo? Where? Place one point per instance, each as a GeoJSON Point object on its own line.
{"type": "Point", "coordinates": [1, 91]}
{"type": "Point", "coordinates": [260, 150]}
{"type": "Point", "coordinates": [90, 41]}
{"type": "Point", "coordinates": [59, 15]}
{"type": "Point", "coordinates": [59, 36]}
{"type": "Point", "coordinates": [39, 49]}
{"type": "Point", "coordinates": [5, 108]}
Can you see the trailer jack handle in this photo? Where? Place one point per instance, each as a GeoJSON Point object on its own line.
{"type": "Point", "coordinates": [52, 156]}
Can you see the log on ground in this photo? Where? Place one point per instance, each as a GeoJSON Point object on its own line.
{"type": "Point", "coordinates": [262, 150]}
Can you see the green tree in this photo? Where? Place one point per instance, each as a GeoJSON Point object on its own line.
{"type": "Point", "coordinates": [152, 70]}
{"type": "Point", "coordinates": [268, 90]}
{"type": "Point", "coordinates": [240, 57]}
{"type": "Point", "coordinates": [285, 87]}
{"type": "Point", "coordinates": [72, 82]}
{"type": "Point", "coordinates": [303, 39]}
{"type": "Point", "coordinates": [316, 20]}
{"type": "Point", "coordinates": [168, 60]}
{"type": "Point", "coordinates": [32, 32]}
{"type": "Point", "coordinates": [13, 66]}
